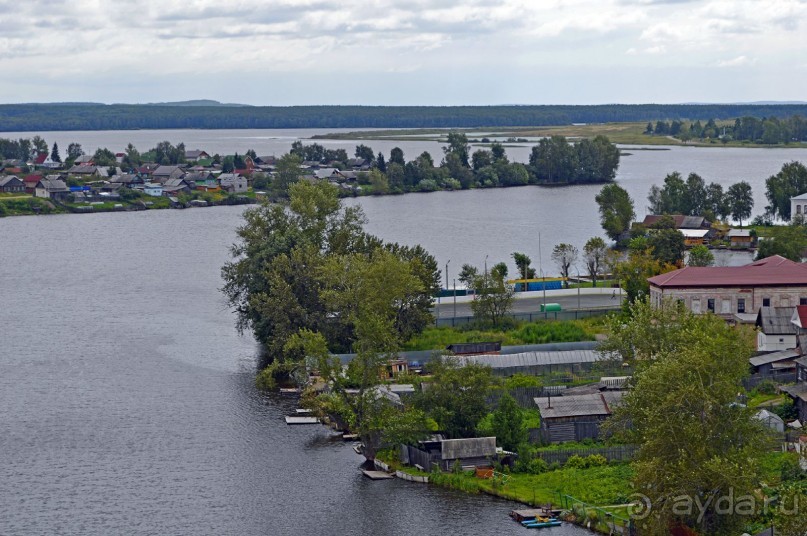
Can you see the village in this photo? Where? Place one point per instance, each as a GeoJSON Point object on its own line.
{"type": "Point", "coordinates": [83, 185]}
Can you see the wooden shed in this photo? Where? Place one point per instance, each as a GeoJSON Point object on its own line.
{"type": "Point", "coordinates": [575, 417]}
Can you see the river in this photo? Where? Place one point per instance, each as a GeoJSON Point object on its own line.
{"type": "Point", "coordinates": [128, 404]}
{"type": "Point", "coordinates": [127, 397]}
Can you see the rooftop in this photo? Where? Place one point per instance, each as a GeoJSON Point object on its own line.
{"type": "Point", "coordinates": [578, 405]}
{"type": "Point", "coordinates": [776, 320]}
{"type": "Point", "coordinates": [768, 272]}
{"type": "Point", "coordinates": [531, 359]}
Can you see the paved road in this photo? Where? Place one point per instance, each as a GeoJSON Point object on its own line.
{"type": "Point", "coordinates": [533, 304]}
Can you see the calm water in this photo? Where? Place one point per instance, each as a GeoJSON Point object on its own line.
{"type": "Point", "coordinates": [128, 405]}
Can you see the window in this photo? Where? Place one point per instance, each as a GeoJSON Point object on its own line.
{"type": "Point", "coordinates": [798, 209]}
{"type": "Point", "coordinates": [725, 306]}
{"type": "Point", "coordinates": [740, 305]}
{"type": "Point", "coordinates": [802, 301]}
{"type": "Point", "coordinates": [696, 307]}
{"type": "Point", "coordinates": [710, 305]}
{"type": "Point", "coordinates": [766, 302]}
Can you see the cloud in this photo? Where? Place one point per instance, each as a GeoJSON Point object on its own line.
{"type": "Point", "coordinates": [739, 61]}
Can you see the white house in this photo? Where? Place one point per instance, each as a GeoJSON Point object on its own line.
{"type": "Point", "coordinates": [233, 182]}
{"type": "Point", "coordinates": [153, 189]}
{"type": "Point", "coordinates": [798, 206]}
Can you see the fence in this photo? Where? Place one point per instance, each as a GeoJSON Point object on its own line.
{"type": "Point", "coordinates": [532, 317]}
{"type": "Point", "coordinates": [616, 453]}
{"type": "Point", "coordinates": [414, 456]}
{"type": "Point", "coordinates": [776, 377]}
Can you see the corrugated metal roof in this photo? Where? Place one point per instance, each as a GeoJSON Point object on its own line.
{"type": "Point", "coordinates": [532, 359]}
{"type": "Point", "coordinates": [773, 357]}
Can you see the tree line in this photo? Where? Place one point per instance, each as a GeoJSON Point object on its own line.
{"type": "Point", "coordinates": [89, 116]}
{"type": "Point", "coordinates": [770, 130]}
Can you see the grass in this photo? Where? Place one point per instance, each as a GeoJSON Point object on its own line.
{"type": "Point", "coordinates": [434, 338]}
{"type": "Point", "coordinates": [608, 485]}
{"type": "Point", "coordinates": [25, 206]}
{"type": "Point", "coordinates": [621, 133]}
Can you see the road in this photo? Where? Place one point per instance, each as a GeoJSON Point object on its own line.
{"type": "Point", "coordinates": [532, 304]}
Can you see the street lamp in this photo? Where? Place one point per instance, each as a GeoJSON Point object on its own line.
{"type": "Point", "coordinates": [486, 265]}
{"type": "Point", "coordinates": [576, 269]}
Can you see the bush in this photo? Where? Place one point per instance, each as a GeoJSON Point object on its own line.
{"type": "Point", "coordinates": [576, 462]}
{"type": "Point", "coordinates": [536, 466]}
{"type": "Point", "coordinates": [596, 460]}
{"type": "Point", "coordinates": [767, 387]}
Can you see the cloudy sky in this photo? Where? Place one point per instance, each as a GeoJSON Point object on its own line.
{"type": "Point", "coordinates": [286, 52]}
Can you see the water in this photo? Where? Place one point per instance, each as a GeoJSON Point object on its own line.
{"type": "Point", "coordinates": [128, 405]}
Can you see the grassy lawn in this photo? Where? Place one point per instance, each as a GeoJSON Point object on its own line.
{"type": "Point", "coordinates": [434, 338]}
{"type": "Point", "coordinates": [26, 205]}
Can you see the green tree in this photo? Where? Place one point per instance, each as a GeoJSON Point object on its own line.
{"type": "Point", "coordinates": [616, 210]}
{"type": "Point", "coordinates": [667, 245]}
{"type": "Point", "coordinates": [789, 241]}
{"type": "Point", "coordinates": [54, 154]}
{"type": "Point", "coordinates": [694, 440]}
{"type": "Point", "coordinates": [281, 279]}
{"type": "Point", "coordinates": [740, 201]}
{"type": "Point", "coordinates": [789, 182]}
{"type": "Point", "coordinates": [468, 275]}
{"type": "Point", "coordinates": [458, 146]}
{"type": "Point", "coordinates": [493, 297]}
{"type": "Point", "coordinates": [365, 152]}
{"type": "Point", "coordinates": [39, 145]}
{"type": "Point", "coordinates": [523, 264]}
{"type": "Point", "coordinates": [74, 150]}
{"type": "Point", "coordinates": [700, 256]}
{"type": "Point", "coordinates": [287, 173]}
{"type": "Point", "coordinates": [594, 252]}
{"type": "Point", "coordinates": [457, 396]}
{"type": "Point", "coordinates": [565, 256]}
{"type": "Point", "coordinates": [481, 158]}
{"type": "Point", "coordinates": [103, 157]}
{"type": "Point", "coordinates": [634, 272]}
{"type": "Point", "coordinates": [380, 163]}
{"type": "Point", "coordinates": [132, 158]}
{"type": "Point", "coordinates": [396, 156]}
{"type": "Point", "coordinates": [508, 424]}
{"type": "Point", "coordinates": [378, 181]}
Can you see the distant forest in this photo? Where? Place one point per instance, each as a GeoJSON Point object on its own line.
{"type": "Point", "coordinates": [45, 117]}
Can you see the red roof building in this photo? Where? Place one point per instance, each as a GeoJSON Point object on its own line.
{"type": "Point", "coordinates": [728, 290]}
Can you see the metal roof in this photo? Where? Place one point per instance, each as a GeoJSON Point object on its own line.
{"type": "Point", "coordinates": [578, 405]}
{"type": "Point", "coordinates": [776, 320]}
{"type": "Point", "coordinates": [773, 357]}
{"type": "Point", "coordinates": [477, 447]}
{"type": "Point", "coordinates": [532, 359]}
{"type": "Point", "coordinates": [769, 272]}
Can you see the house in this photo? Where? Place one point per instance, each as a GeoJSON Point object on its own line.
{"type": "Point", "coordinates": [324, 173]}
{"type": "Point", "coordinates": [128, 180]}
{"type": "Point", "coordinates": [163, 173]}
{"type": "Point", "coordinates": [195, 155]}
{"type": "Point", "coordinates": [798, 206]}
{"type": "Point", "coordinates": [12, 184]}
{"type": "Point", "coordinates": [725, 290]}
{"type": "Point", "coordinates": [177, 186]}
{"type": "Point", "coordinates": [85, 170]}
{"type": "Point", "coordinates": [265, 160]}
{"type": "Point", "coordinates": [575, 417]}
{"type": "Point", "coordinates": [358, 164]}
{"type": "Point", "coordinates": [52, 189]}
{"type": "Point", "coordinates": [445, 453]}
{"type": "Point", "coordinates": [775, 329]}
{"type": "Point", "coordinates": [153, 189]}
{"type": "Point", "coordinates": [30, 183]}
{"type": "Point", "coordinates": [681, 221]}
{"type": "Point", "coordinates": [694, 237]}
{"type": "Point", "coordinates": [740, 238]}
{"type": "Point", "coordinates": [233, 182]}
{"type": "Point", "coordinates": [83, 159]}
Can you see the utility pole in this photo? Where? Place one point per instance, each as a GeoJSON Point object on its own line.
{"type": "Point", "coordinates": [455, 299]}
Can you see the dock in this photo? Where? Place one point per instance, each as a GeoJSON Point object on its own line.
{"type": "Point", "coordinates": [377, 475]}
{"type": "Point", "coordinates": [293, 419]}
{"type": "Point", "coordinates": [530, 514]}
{"type": "Point", "coordinates": [302, 411]}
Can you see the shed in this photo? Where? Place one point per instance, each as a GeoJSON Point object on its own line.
{"type": "Point", "coordinates": [740, 237]}
{"type": "Point", "coordinates": [476, 451]}
{"type": "Point", "coordinates": [765, 363]}
{"type": "Point", "coordinates": [694, 237]}
{"type": "Point", "coordinates": [575, 417]}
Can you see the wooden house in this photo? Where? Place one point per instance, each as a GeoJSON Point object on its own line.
{"type": "Point", "coordinates": [740, 238]}
{"type": "Point", "coordinates": [52, 189]}
{"type": "Point", "coordinates": [12, 184]}
{"type": "Point", "coordinates": [393, 368]}
{"type": "Point", "coordinates": [775, 329]}
{"type": "Point", "coordinates": [445, 453]}
{"type": "Point", "coordinates": [798, 391]}
{"type": "Point", "coordinates": [575, 417]}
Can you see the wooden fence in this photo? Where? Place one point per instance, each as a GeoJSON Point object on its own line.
{"type": "Point", "coordinates": [616, 453]}
{"type": "Point", "coordinates": [532, 317]}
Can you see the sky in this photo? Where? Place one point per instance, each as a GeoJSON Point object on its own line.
{"type": "Point", "coordinates": [403, 52]}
